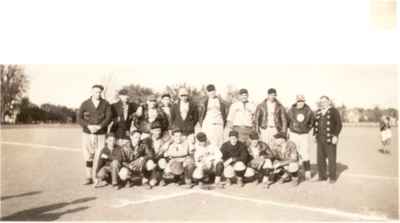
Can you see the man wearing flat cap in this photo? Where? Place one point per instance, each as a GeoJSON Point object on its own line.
{"type": "Point", "coordinates": [184, 114]}
{"type": "Point", "coordinates": [270, 117]}
{"type": "Point", "coordinates": [166, 106]}
{"type": "Point", "coordinates": [327, 127]}
{"type": "Point", "coordinates": [301, 121]}
{"type": "Point", "coordinates": [212, 116]}
{"type": "Point", "coordinates": [94, 116]}
{"type": "Point", "coordinates": [235, 157]}
{"type": "Point", "coordinates": [122, 114]}
{"type": "Point", "coordinates": [241, 116]}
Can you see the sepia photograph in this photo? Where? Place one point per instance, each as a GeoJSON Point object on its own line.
{"type": "Point", "coordinates": [199, 111]}
{"type": "Point", "coordinates": [199, 142]}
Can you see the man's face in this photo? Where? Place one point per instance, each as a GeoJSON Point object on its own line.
{"type": "Point", "coordinates": [212, 94]}
{"type": "Point", "coordinates": [271, 97]}
{"type": "Point", "coordinates": [156, 133]}
{"type": "Point", "coordinates": [253, 142]}
{"type": "Point", "coordinates": [123, 98]}
{"type": "Point", "coordinates": [244, 97]}
{"type": "Point", "coordinates": [166, 101]}
{"type": "Point", "coordinates": [202, 144]}
{"type": "Point", "coordinates": [177, 137]}
{"type": "Point", "coordinates": [233, 140]}
{"type": "Point", "coordinates": [300, 104]}
{"type": "Point", "coordinates": [96, 93]}
{"type": "Point", "coordinates": [110, 141]}
{"type": "Point", "coordinates": [324, 102]}
{"type": "Point", "coordinates": [280, 141]}
{"type": "Point", "coordinates": [184, 97]}
{"type": "Point", "coordinates": [151, 104]}
{"type": "Point", "coordinates": [135, 138]}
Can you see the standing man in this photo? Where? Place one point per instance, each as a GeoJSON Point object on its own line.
{"type": "Point", "coordinates": [241, 116]}
{"type": "Point", "coordinates": [327, 127]}
{"type": "Point", "coordinates": [94, 116]}
{"type": "Point", "coordinates": [213, 117]}
{"type": "Point", "coordinates": [184, 115]}
{"type": "Point", "coordinates": [270, 118]}
{"type": "Point", "coordinates": [301, 121]}
{"type": "Point", "coordinates": [122, 112]}
{"type": "Point", "coordinates": [166, 106]}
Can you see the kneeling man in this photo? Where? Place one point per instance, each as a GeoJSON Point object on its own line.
{"type": "Point", "coordinates": [208, 160]}
{"type": "Point", "coordinates": [286, 160]}
{"type": "Point", "coordinates": [109, 162]}
{"type": "Point", "coordinates": [261, 158]}
{"type": "Point", "coordinates": [235, 157]}
{"type": "Point", "coordinates": [137, 161]}
{"type": "Point", "coordinates": [179, 161]}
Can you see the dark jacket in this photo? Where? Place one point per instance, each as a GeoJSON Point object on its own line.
{"type": "Point", "coordinates": [328, 125]}
{"type": "Point", "coordinates": [203, 110]}
{"type": "Point", "coordinates": [143, 123]}
{"type": "Point", "coordinates": [90, 115]}
{"type": "Point", "coordinates": [237, 152]}
{"type": "Point", "coordinates": [106, 156]}
{"type": "Point", "coordinates": [263, 151]}
{"type": "Point", "coordinates": [120, 125]}
{"type": "Point", "coordinates": [187, 125]}
{"type": "Point", "coordinates": [301, 120]}
{"type": "Point", "coordinates": [383, 126]}
{"type": "Point", "coordinates": [280, 118]}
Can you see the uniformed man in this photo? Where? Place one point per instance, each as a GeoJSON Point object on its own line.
{"type": "Point", "coordinates": [179, 157]}
{"type": "Point", "coordinates": [212, 117]}
{"type": "Point", "coordinates": [301, 121]}
{"type": "Point", "coordinates": [286, 160]}
{"type": "Point", "coordinates": [235, 157]}
{"type": "Point", "coordinates": [327, 128]}
{"type": "Point", "coordinates": [208, 160]}
{"type": "Point", "coordinates": [261, 158]}
{"type": "Point", "coordinates": [241, 116]}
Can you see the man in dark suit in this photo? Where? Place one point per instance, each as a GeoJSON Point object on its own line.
{"type": "Point", "coordinates": [122, 112]}
{"type": "Point", "coordinates": [327, 127]}
{"type": "Point", "coordinates": [184, 114]}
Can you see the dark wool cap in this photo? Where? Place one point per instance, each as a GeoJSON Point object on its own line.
{"type": "Point", "coordinates": [243, 91]}
{"type": "Point", "coordinates": [234, 133]}
{"type": "Point", "coordinates": [155, 125]}
{"type": "Point", "coordinates": [98, 86]}
{"type": "Point", "coordinates": [271, 91]}
{"type": "Point", "coordinates": [210, 87]}
{"type": "Point", "coordinates": [254, 135]}
{"type": "Point", "coordinates": [123, 92]}
{"type": "Point", "coordinates": [201, 137]}
{"type": "Point", "coordinates": [175, 130]}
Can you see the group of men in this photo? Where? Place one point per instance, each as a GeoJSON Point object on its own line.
{"type": "Point", "coordinates": [156, 143]}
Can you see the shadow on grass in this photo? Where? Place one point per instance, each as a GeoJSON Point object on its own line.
{"type": "Point", "coordinates": [40, 213]}
{"type": "Point", "coordinates": [340, 168]}
{"type": "Point", "coordinates": [20, 195]}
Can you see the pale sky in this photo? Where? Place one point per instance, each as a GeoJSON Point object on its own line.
{"type": "Point", "coordinates": [353, 85]}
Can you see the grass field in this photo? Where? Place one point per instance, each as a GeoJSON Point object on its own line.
{"type": "Point", "coordinates": [42, 174]}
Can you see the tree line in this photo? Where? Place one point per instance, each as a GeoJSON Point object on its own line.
{"type": "Point", "coordinates": [15, 108]}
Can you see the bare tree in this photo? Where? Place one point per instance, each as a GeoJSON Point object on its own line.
{"type": "Point", "coordinates": [14, 84]}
